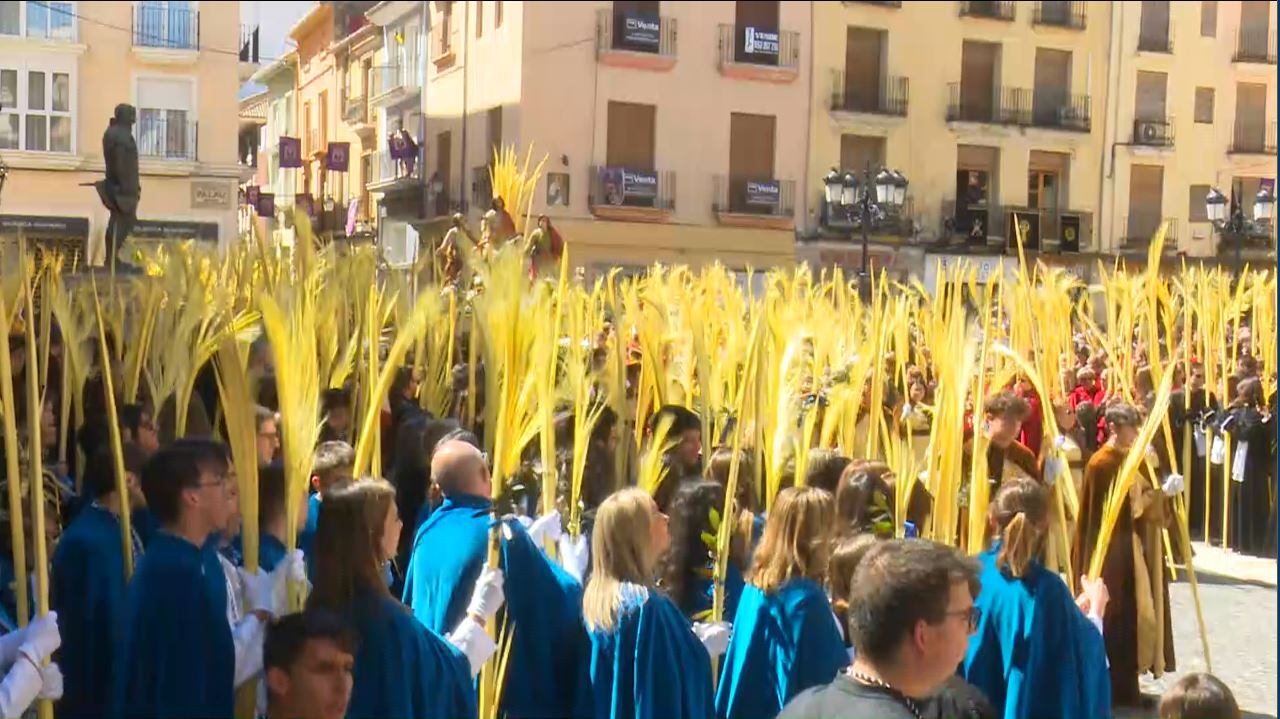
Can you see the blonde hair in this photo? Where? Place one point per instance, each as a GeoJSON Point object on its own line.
{"type": "Point", "coordinates": [1020, 512]}
{"type": "Point", "coordinates": [796, 542]}
{"type": "Point", "coordinates": [620, 554]}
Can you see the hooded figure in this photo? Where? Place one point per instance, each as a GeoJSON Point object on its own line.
{"type": "Point", "coordinates": [120, 190]}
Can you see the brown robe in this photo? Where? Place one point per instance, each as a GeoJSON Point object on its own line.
{"type": "Point", "coordinates": [1016, 460]}
{"type": "Point", "coordinates": [1137, 627]}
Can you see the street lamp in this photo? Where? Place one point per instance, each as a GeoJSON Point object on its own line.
{"type": "Point", "coordinates": [1230, 221]}
{"type": "Point", "coordinates": [848, 198]}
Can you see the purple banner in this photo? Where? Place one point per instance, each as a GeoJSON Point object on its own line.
{"type": "Point", "coordinates": [290, 151]}
{"type": "Point", "coordinates": [251, 195]}
{"type": "Point", "coordinates": [266, 204]}
{"type": "Point", "coordinates": [339, 156]}
{"type": "Point", "coordinates": [401, 146]}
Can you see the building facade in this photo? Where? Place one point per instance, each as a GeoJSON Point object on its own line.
{"type": "Point", "coordinates": [64, 66]}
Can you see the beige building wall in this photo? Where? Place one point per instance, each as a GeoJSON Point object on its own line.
{"type": "Point", "coordinates": [317, 96]}
{"type": "Point", "coordinates": [1201, 152]}
{"type": "Point", "coordinates": [923, 42]}
{"type": "Point", "coordinates": [106, 68]}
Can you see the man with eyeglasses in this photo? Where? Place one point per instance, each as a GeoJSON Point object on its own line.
{"type": "Point", "coordinates": [268, 424]}
{"type": "Point", "coordinates": [182, 658]}
{"type": "Point", "coordinates": [910, 616]}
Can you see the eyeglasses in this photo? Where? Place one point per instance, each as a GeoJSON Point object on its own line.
{"type": "Point", "coordinates": [971, 614]}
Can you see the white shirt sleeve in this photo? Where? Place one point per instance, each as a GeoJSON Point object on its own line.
{"type": "Point", "coordinates": [470, 638]}
{"type": "Point", "coordinates": [20, 687]}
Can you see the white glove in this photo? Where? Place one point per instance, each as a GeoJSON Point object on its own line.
{"type": "Point", "coordinates": [546, 528]}
{"type": "Point", "coordinates": [488, 596]}
{"type": "Point", "coordinates": [50, 682]}
{"type": "Point", "coordinates": [906, 412]}
{"type": "Point", "coordinates": [41, 637]}
{"type": "Point", "coordinates": [1218, 452]}
{"type": "Point", "coordinates": [714, 636]}
{"type": "Point", "coordinates": [574, 555]}
{"type": "Point", "coordinates": [1054, 467]}
{"type": "Point", "coordinates": [263, 589]}
{"type": "Point", "coordinates": [294, 569]}
{"type": "Point", "coordinates": [1173, 484]}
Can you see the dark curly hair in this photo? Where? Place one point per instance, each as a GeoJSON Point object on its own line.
{"type": "Point", "coordinates": [688, 555]}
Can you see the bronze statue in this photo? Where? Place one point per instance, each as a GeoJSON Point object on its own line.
{"type": "Point", "coordinates": [121, 190]}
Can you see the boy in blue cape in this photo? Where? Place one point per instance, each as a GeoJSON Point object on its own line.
{"type": "Point", "coordinates": [332, 464]}
{"type": "Point", "coordinates": [180, 657]}
{"type": "Point", "coordinates": [89, 585]}
{"type": "Point", "coordinates": [549, 661]}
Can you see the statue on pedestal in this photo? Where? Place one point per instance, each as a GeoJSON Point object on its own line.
{"type": "Point", "coordinates": [120, 190]}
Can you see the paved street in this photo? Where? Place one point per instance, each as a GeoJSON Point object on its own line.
{"type": "Point", "coordinates": [1238, 595]}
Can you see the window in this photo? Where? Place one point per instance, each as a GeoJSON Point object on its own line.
{"type": "Point", "coordinates": [35, 110]}
{"type": "Point", "coordinates": [1208, 20]}
{"type": "Point", "coordinates": [166, 128]}
{"type": "Point", "coordinates": [479, 18]}
{"type": "Point", "coordinates": [53, 20]}
{"type": "Point", "coordinates": [1149, 100]}
{"type": "Point", "coordinates": [1204, 105]}
{"type": "Point", "coordinates": [446, 28]}
{"type": "Point", "coordinates": [631, 136]}
{"type": "Point", "coordinates": [497, 13]}
{"type": "Point", "coordinates": [1198, 212]}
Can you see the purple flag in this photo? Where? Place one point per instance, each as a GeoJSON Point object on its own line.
{"type": "Point", "coordinates": [251, 195]}
{"type": "Point", "coordinates": [401, 145]}
{"type": "Point", "coordinates": [266, 204]}
{"type": "Point", "coordinates": [339, 156]}
{"type": "Point", "coordinates": [290, 151]}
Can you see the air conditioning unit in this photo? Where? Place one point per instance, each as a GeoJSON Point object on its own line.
{"type": "Point", "coordinates": [1151, 133]}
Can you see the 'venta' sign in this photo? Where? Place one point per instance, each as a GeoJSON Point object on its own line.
{"type": "Point", "coordinates": [642, 31]}
{"type": "Point", "coordinates": [207, 195]}
{"type": "Point", "coordinates": [760, 42]}
{"type": "Point", "coordinates": [764, 194]}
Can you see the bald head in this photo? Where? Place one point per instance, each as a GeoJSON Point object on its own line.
{"type": "Point", "coordinates": [457, 467]}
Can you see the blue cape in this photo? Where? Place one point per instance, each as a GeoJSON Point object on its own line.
{"type": "Point", "coordinates": [1035, 655]}
{"type": "Point", "coordinates": [783, 643]}
{"type": "Point", "coordinates": [88, 592]}
{"type": "Point", "coordinates": [308, 533]}
{"type": "Point", "coordinates": [650, 666]}
{"type": "Point", "coordinates": [703, 595]}
{"type": "Point", "coordinates": [270, 551]}
{"type": "Point", "coordinates": [179, 659]}
{"type": "Point", "coordinates": [547, 670]}
{"type": "Point", "coordinates": [404, 670]}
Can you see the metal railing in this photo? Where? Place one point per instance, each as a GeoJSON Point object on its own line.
{"type": "Point", "coordinates": [769, 197]}
{"type": "Point", "coordinates": [171, 28]}
{"type": "Point", "coordinates": [355, 110]}
{"type": "Point", "coordinates": [625, 187]}
{"type": "Point", "coordinates": [387, 78]}
{"type": "Point", "coordinates": [993, 9]}
{"type": "Point", "coordinates": [1060, 14]}
{"type": "Point", "coordinates": [158, 137]}
{"type": "Point", "coordinates": [1052, 108]}
{"type": "Point", "coordinates": [249, 44]}
{"type": "Point", "coordinates": [1007, 106]}
{"type": "Point", "coordinates": [888, 98]}
{"type": "Point", "coordinates": [1155, 133]}
{"type": "Point", "coordinates": [1255, 44]}
{"type": "Point", "coordinates": [656, 36]}
{"type": "Point", "coordinates": [390, 169]}
{"type": "Point", "coordinates": [1253, 139]}
{"type": "Point", "coordinates": [1139, 229]}
{"type": "Point", "coordinates": [745, 45]}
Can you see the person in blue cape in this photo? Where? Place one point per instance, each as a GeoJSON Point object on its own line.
{"type": "Point", "coordinates": [688, 567]}
{"type": "Point", "coordinates": [647, 660]}
{"type": "Point", "coordinates": [547, 674]}
{"type": "Point", "coordinates": [785, 637]}
{"type": "Point", "coordinates": [180, 656]}
{"type": "Point", "coordinates": [402, 668]}
{"type": "Point", "coordinates": [1035, 653]}
{"type": "Point", "coordinates": [89, 584]}
{"type": "Point", "coordinates": [272, 522]}
{"type": "Point", "coordinates": [332, 465]}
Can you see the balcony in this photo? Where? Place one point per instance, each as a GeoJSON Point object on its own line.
{"type": "Point", "coordinates": [1149, 41]}
{"type": "Point", "coordinates": [443, 41]}
{"type": "Point", "coordinates": [1053, 109]}
{"type": "Point", "coordinates": [990, 9]}
{"type": "Point", "coordinates": [642, 42]}
{"type": "Point", "coordinates": [166, 35]}
{"type": "Point", "coordinates": [1070, 15]}
{"type": "Point", "coordinates": [975, 226]}
{"type": "Point", "coordinates": [632, 195]}
{"type": "Point", "coordinates": [315, 143]}
{"type": "Point", "coordinates": [249, 52]}
{"type": "Point", "coordinates": [1255, 44]}
{"type": "Point", "coordinates": [1007, 106]}
{"type": "Point", "coordinates": [391, 173]}
{"type": "Point", "coordinates": [890, 98]}
{"type": "Point", "coordinates": [163, 136]}
{"type": "Point", "coordinates": [749, 53]}
{"type": "Point", "coordinates": [355, 112]}
{"type": "Point", "coordinates": [1253, 139]}
{"type": "Point", "coordinates": [1138, 231]}
{"type": "Point", "coordinates": [765, 203]}
{"type": "Point", "coordinates": [393, 85]}
{"type": "Point", "coordinates": [1153, 133]}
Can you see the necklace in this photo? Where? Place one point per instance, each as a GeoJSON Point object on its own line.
{"type": "Point", "coordinates": [882, 684]}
